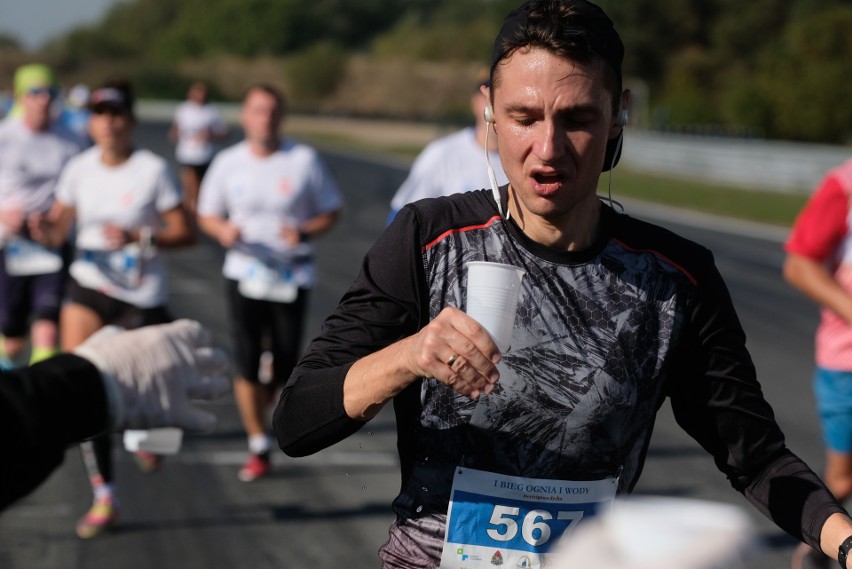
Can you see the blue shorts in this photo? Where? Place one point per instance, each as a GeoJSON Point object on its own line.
{"type": "Point", "coordinates": [833, 391]}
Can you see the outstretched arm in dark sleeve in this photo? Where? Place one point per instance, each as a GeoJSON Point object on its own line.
{"type": "Point", "coordinates": [717, 399]}
{"type": "Point", "coordinates": [44, 409]}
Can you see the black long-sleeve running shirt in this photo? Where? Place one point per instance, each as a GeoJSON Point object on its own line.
{"type": "Point", "coordinates": [602, 337]}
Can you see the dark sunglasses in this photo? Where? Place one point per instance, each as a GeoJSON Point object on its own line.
{"type": "Point", "coordinates": [109, 110]}
{"type": "Point", "coordinates": [52, 92]}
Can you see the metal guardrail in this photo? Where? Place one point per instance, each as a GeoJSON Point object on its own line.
{"type": "Point", "coordinates": [751, 163]}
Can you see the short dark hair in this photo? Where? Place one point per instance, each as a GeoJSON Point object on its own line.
{"type": "Point", "coordinates": [574, 29]}
{"type": "Point", "coordinates": [272, 91]}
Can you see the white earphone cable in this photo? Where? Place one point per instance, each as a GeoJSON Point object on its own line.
{"type": "Point", "coordinates": [495, 190]}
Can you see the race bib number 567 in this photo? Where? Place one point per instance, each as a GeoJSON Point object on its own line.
{"type": "Point", "coordinates": [495, 519]}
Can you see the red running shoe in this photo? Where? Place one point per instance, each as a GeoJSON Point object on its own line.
{"type": "Point", "coordinates": [148, 461]}
{"type": "Point", "coordinates": [257, 466]}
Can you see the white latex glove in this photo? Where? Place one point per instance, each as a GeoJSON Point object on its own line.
{"type": "Point", "coordinates": [151, 373]}
{"type": "Point", "coordinates": [657, 532]}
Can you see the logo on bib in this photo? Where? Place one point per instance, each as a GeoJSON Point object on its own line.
{"type": "Point", "coordinates": [465, 557]}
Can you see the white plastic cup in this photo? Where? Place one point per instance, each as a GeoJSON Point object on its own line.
{"type": "Point", "coordinates": [493, 290]}
{"type": "Point", "coordinates": [158, 441]}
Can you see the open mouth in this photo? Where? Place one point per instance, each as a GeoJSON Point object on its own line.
{"type": "Point", "coordinates": [547, 182]}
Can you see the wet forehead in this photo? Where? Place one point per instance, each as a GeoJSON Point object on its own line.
{"type": "Point", "coordinates": [535, 77]}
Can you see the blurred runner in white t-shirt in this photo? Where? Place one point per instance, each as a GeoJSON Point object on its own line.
{"type": "Point", "coordinates": [197, 129]}
{"type": "Point", "coordinates": [264, 200]}
{"type": "Point", "coordinates": [33, 150]}
{"type": "Point", "coordinates": [454, 163]}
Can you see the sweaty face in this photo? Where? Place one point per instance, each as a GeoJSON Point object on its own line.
{"type": "Point", "coordinates": [553, 118]}
{"type": "Point", "coordinates": [260, 117]}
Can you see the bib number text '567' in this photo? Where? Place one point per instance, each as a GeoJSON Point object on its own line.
{"type": "Point", "coordinates": [534, 526]}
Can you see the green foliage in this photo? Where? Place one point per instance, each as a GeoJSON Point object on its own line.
{"type": "Point", "coordinates": [82, 44]}
{"type": "Point", "coordinates": [130, 28]}
{"type": "Point", "coordinates": [354, 24]}
{"type": "Point", "coordinates": [240, 27]}
{"type": "Point", "coordinates": [769, 66]}
{"type": "Point", "coordinates": [316, 72]}
{"type": "Point", "coordinates": [451, 30]}
{"type": "Point", "coordinates": [810, 78]}
{"type": "Point", "coordinates": [159, 83]}
{"type": "Point", "coordinates": [779, 67]}
{"type": "Point", "coordinates": [454, 41]}
{"type": "Point", "coordinates": [250, 28]}
{"type": "Point", "coordinates": [746, 106]}
{"type": "Point", "coordinates": [9, 42]}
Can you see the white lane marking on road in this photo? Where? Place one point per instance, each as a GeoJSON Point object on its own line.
{"type": "Point", "coordinates": [37, 511]}
{"type": "Point", "coordinates": [332, 458]}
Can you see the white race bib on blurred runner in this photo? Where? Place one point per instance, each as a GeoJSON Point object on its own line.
{"type": "Point", "coordinates": [27, 257]}
{"type": "Point", "coordinates": [102, 270]}
{"type": "Point", "coordinates": [273, 282]}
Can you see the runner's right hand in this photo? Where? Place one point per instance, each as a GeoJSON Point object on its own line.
{"type": "Point", "coordinates": [456, 350]}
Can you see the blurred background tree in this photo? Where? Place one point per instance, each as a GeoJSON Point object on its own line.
{"type": "Point", "coordinates": [772, 68]}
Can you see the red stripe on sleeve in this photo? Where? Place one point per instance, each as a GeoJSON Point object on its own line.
{"type": "Point", "coordinates": [445, 234]}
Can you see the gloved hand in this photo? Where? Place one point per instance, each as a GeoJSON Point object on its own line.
{"type": "Point", "coordinates": [151, 373]}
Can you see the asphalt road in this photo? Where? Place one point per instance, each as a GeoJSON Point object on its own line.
{"type": "Point", "coordinates": [332, 510]}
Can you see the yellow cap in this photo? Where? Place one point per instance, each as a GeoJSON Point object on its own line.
{"type": "Point", "coordinates": [33, 75]}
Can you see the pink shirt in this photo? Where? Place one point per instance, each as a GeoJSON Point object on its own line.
{"type": "Point", "coordinates": [821, 233]}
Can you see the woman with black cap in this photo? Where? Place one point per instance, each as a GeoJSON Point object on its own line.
{"type": "Point", "coordinates": [125, 207]}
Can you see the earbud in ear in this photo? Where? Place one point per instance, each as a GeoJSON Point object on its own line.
{"type": "Point", "coordinates": [622, 117]}
{"type": "Point", "coordinates": [489, 114]}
